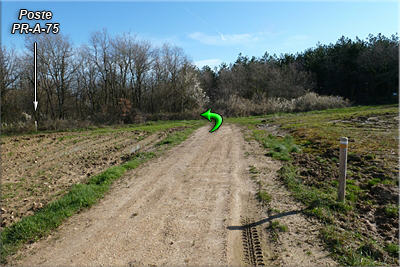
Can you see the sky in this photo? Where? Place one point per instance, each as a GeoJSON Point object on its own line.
{"type": "Point", "coordinates": [212, 32]}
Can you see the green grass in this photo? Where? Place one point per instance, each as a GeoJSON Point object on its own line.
{"type": "Point", "coordinates": [274, 210]}
{"type": "Point", "coordinates": [353, 192]}
{"type": "Point", "coordinates": [392, 210]}
{"type": "Point", "coordinates": [275, 228]}
{"type": "Point", "coordinates": [318, 126]}
{"type": "Point", "coordinates": [253, 170]}
{"type": "Point", "coordinates": [283, 228]}
{"type": "Point", "coordinates": [370, 156]}
{"type": "Point", "coordinates": [351, 256]}
{"type": "Point", "coordinates": [311, 196]}
{"type": "Point", "coordinates": [278, 148]}
{"type": "Point", "coordinates": [392, 249]}
{"type": "Point", "coordinates": [150, 127]}
{"type": "Point", "coordinates": [261, 194]}
{"type": "Point", "coordinates": [264, 197]}
{"type": "Point", "coordinates": [175, 137]}
{"type": "Point", "coordinates": [325, 207]}
{"type": "Point", "coordinates": [319, 159]}
{"type": "Point", "coordinates": [79, 197]}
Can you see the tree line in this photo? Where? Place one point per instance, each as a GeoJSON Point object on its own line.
{"type": "Point", "coordinates": [109, 78]}
{"type": "Point", "coordinates": [365, 72]}
{"type": "Point", "coordinates": [120, 78]}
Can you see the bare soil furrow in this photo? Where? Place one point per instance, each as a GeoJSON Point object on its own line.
{"type": "Point", "coordinates": [23, 147]}
{"type": "Point", "coordinates": [43, 154]}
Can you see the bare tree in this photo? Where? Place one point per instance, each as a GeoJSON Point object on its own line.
{"type": "Point", "coordinates": [55, 69]}
{"type": "Point", "coordinates": [102, 56]}
{"type": "Point", "coordinates": [174, 58]}
{"type": "Point", "coordinates": [157, 81]}
{"type": "Point", "coordinates": [142, 54]}
{"type": "Point", "coordinates": [123, 53]}
{"type": "Point", "coordinates": [86, 79]}
{"type": "Point", "coordinates": [9, 74]}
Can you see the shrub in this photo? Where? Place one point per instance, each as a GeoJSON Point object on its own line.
{"type": "Point", "coordinates": [236, 106]}
{"type": "Point", "coordinates": [313, 101]}
{"type": "Point", "coordinates": [18, 128]}
{"type": "Point", "coordinates": [186, 115]}
{"type": "Point", "coordinates": [47, 125]}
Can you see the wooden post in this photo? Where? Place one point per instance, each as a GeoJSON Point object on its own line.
{"type": "Point", "coordinates": [342, 168]}
{"type": "Point", "coordinates": [35, 126]}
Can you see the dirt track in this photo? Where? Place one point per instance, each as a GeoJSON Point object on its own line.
{"type": "Point", "coordinates": [184, 208]}
{"type": "Point", "coordinates": [174, 211]}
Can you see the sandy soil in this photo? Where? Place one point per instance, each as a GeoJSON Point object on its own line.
{"type": "Point", "coordinates": [184, 208]}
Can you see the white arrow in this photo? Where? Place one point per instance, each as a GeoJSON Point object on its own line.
{"type": "Point", "coordinates": [35, 103]}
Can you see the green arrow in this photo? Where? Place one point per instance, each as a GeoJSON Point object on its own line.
{"type": "Point", "coordinates": [218, 119]}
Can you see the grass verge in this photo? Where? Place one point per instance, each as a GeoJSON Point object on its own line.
{"type": "Point", "coordinates": [278, 147]}
{"type": "Point", "coordinates": [310, 172]}
{"type": "Point", "coordinates": [80, 196]}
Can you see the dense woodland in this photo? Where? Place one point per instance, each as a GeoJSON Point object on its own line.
{"type": "Point", "coordinates": [115, 79]}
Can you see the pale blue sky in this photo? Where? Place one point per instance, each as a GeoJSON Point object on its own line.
{"type": "Point", "coordinates": [214, 32]}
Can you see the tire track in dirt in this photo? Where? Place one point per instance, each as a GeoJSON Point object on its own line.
{"type": "Point", "coordinates": [173, 210]}
{"type": "Point", "coordinates": [253, 254]}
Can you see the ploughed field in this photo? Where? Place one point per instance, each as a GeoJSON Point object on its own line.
{"type": "Point", "coordinates": [39, 168]}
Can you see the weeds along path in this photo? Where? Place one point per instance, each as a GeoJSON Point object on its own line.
{"type": "Point", "coordinates": [174, 210]}
{"type": "Point", "coordinates": [290, 238]}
